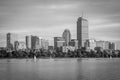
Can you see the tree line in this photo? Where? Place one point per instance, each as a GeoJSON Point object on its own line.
{"type": "Point", "coordinates": [70, 54]}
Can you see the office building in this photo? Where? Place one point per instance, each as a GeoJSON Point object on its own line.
{"type": "Point", "coordinates": [10, 40]}
{"type": "Point", "coordinates": [82, 31]}
{"type": "Point", "coordinates": [112, 46]}
{"type": "Point", "coordinates": [74, 43]}
{"type": "Point", "coordinates": [28, 42]}
{"type": "Point", "coordinates": [34, 42]}
{"type": "Point", "coordinates": [90, 44]}
{"type": "Point", "coordinates": [3, 43]}
{"type": "Point", "coordinates": [58, 43]}
{"type": "Point", "coordinates": [44, 44]}
{"type": "Point", "coordinates": [105, 45]}
{"type": "Point", "coordinates": [67, 36]}
{"type": "Point", "coordinates": [20, 45]}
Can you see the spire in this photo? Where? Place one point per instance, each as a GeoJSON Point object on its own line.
{"type": "Point", "coordinates": [82, 14]}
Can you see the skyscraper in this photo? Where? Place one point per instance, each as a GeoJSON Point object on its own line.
{"type": "Point", "coordinates": [67, 36]}
{"type": "Point", "coordinates": [82, 31]}
{"type": "Point", "coordinates": [32, 42]}
{"type": "Point", "coordinates": [28, 42]}
{"type": "Point", "coordinates": [11, 38]}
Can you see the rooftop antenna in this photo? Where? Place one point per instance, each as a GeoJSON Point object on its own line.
{"type": "Point", "coordinates": [82, 14]}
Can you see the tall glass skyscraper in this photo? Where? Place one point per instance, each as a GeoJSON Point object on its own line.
{"type": "Point", "coordinates": [67, 36]}
{"type": "Point", "coordinates": [82, 31]}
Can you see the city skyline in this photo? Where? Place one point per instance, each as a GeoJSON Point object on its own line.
{"type": "Point", "coordinates": [48, 19]}
{"type": "Point", "coordinates": [63, 43]}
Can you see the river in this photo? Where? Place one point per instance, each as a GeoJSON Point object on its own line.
{"type": "Point", "coordinates": [60, 69]}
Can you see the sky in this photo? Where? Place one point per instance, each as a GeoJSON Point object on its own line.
{"type": "Point", "coordinates": [49, 18]}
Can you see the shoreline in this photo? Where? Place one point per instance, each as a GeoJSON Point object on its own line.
{"type": "Point", "coordinates": [63, 58]}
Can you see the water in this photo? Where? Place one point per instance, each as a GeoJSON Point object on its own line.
{"type": "Point", "coordinates": [60, 69]}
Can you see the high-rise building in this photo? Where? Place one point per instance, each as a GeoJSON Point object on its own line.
{"type": "Point", "coordinates": [59, 42]}
{"type": "Point", "coordinates": [32, 42]}
{"type": "Point", "coordinates": [16, 45]}
{"type": "Point", "coordinates": [28, 42]}
{"type": "Point", "coordinates": [3, 41]}
{"type": "Point", "coordinates": [112, 46]}
{"type": "Point", "coordinates": [82, 31]}
{"type": "Point", "coordinates": [40, 42]}
{"type": "Point", "coordinates": [11, 38]}
{"type": "Point", "coordinates": [67, 36]}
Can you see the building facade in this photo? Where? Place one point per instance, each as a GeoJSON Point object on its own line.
{"type": "Point", "coordinates": [44, 44]}
{"type": "Point", "coordinates": [20, 45]}
{"type": "Point", "coordinates": [10, 40]}
{"type": "Point", "coordinates": [59, 42]}
{"type": "Point", "coordinates": [67, 36]}
{"type": "Point", "coordinates": [82, 31]}
{"type": "Point", "coordinates": [90, 44]}
{"type": "Point", "coordinates": [34, 42]}
{"type": "Point", "coordinates": [74, 43]}
{"type": "Point", "coordinates": [28, 42]}
{"type": "Point", "coordinates": [112, 46]}
{"type": "Point", "coordinates": [105, 45]}
{"type": "Point", "coordinates": [68, 48]}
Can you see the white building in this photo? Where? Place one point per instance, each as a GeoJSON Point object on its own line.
{"type": "Point", "coordinates": [68, 48]}
{"type": "Point", "coordinates": [20, 45]}
{"type": "Point", "coordinates": [90, 44]}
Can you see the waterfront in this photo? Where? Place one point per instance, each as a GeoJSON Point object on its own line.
{"type": "Point", "coordinates": [60, 69]}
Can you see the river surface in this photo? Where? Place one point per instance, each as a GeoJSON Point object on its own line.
{"type": "Point", "coordinates": [60, 69]}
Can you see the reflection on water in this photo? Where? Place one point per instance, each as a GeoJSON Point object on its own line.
{"type": "Point", "coordinates": [60, 69]}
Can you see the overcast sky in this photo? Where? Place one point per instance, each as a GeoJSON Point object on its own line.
{"type": "Point", "coordinates": [49, 18]}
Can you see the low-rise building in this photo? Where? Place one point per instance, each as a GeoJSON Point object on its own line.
{"type": "Point", "coordinates": [20, 45]}
{"type": "Point", "coordinates": [90, 44]}
{"type": "Point", "coordinates": [74, 43]}
{"type": "Point", "coordinates": [68, 48]}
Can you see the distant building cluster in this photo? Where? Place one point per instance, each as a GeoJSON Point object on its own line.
{"type": "Point", "coordinates": [63, 43]}
{"type": "Point", "coordinates": [31, 42]}
{"type": "Point", "coordinates": [99, 45]}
